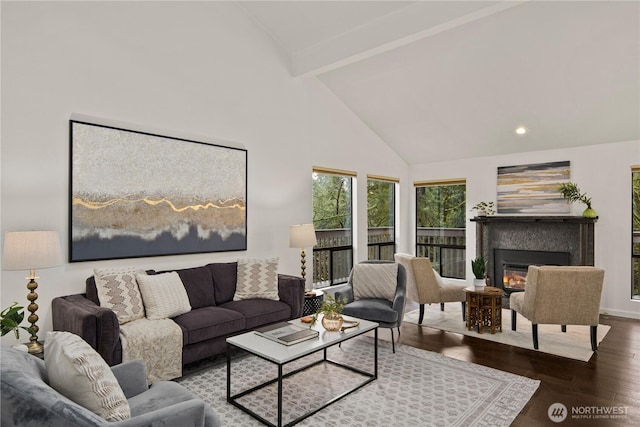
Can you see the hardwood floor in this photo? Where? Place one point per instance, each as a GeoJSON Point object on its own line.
{"type": "Point", "coordinates": [610, 379]}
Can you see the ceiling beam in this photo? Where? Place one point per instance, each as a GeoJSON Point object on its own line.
{"type": "Point", "coordinates": [390, 32]}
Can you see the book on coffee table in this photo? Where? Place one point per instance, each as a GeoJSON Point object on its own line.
{"type": "Point", "coordinates": [286, 333]}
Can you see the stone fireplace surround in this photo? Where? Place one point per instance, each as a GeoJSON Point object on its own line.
{"type": "Point", "coordinates": [546, 239]}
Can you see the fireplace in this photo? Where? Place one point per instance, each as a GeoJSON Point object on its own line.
{"type": "Point", "coordinates": [515, 242]}
{"type": "Point", "coordinates": [510, 266]}
{"type": "Point", "coordinates": [514, 277]}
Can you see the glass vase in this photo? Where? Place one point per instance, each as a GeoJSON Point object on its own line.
{"type": "Point", "coordinates": [332, 322]}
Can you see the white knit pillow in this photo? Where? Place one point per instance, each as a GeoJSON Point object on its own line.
{"type": "Point", "coordinates": [375, 281]}
{"type": "Point", "coordinates": [164, 295]}
{"type": "Point", "coordinates": [118, 290]}
{"type": "Point", "coordinates": [77, 371]}
{"type": "Point", "coordinates": [257, 279]}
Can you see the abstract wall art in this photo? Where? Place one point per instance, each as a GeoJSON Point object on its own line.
{"type": "Point", "coordinates": [136, 194]}
{"type": "Point", "coordinates": [533, 189]}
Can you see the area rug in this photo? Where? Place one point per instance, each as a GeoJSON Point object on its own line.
{"type": "Point", "coordinates": [574, 344]}
{"type": "Point", "coordinates": [414, 388]}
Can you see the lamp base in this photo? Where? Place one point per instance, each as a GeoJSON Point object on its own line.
{"type": "Point", "coordinates": [35, 347]}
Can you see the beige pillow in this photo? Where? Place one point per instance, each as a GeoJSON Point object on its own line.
{"type": "Point", "coordinates": [164, 295]}
{"type": "Point", "coordinates": [118, 290]}
{"type": "Point", "coordinates": [375, 281]}
{"type": "Point", "coordinates": [77, 371]}
{"type": "Point", "coordinates": [257, 279]}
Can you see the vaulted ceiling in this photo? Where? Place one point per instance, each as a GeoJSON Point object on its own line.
{"type": "Point", "coordinates": [441, 80]}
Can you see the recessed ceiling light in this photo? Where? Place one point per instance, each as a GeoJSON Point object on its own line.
{"type": "Point", "coordinates": [521, 130]}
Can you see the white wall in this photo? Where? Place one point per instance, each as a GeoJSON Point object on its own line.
{"type": "Point", "coordinates": [187, 69]}
{"type": "Point", "coordinates": [602, 171]}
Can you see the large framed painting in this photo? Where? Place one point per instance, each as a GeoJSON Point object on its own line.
{"type": "Point", "coordinates": [136, 194]}
{"type": "Point", "coordinates": [533, 189]}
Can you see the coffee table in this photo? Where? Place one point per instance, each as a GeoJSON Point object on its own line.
{"type": "Point", "coordinates": [281, 355]}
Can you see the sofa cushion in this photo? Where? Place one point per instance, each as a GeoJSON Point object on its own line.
{"type": "Point", "coordinates": [258, 312]}
{"type": "Point", "coordinates": [209, 322]}
{"type": "Point", "coordinates": [164, 295]}
{"type": "Point", "coordinates": [257, 278]}
{"type": "Point", "coordinates": [225, 276]}
{"type": "Point", "coordinates": [118, 290]}
{"type": "Point", "coordinates": [77, 371]}
{"type": "Point", "coordinates": [198, 282]}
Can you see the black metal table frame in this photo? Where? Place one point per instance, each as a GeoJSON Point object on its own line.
{"type": "Point", "coordinates": [233, 399]}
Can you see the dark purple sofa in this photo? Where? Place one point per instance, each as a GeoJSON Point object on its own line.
{"type": "Point", "coordinates": [214, 315]}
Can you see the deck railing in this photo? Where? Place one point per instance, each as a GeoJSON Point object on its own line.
{"type": "Point", "coordinates": [445, 247]}
{"type": "Point", "coordinates": [333, 255]}
{"type": "Point", "coordinates": [635, 260]}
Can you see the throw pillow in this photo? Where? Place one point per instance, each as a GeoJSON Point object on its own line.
{"type": "Point", "coordinates": [375, 281]}
{"type": "Point", "coordinates": [257, 279]}
{"type": "Point", "coordinates": [198, 282]}
{"type": "Point", "coordinates": [118, 290]}
{"type": "Point", "coordinates": [164, 295]}
{"type": "Point", "coordinates": [77, 371]}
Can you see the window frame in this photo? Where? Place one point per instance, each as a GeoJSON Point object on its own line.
{"type": "Point", "coordinates": [394, 182]}
{"type": "Point", "coordinates": [331, 280]}
{"type": "Point", "coordinates": [437, 263]}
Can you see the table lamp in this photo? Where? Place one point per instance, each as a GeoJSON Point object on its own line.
{"type": "Point", "coordinates": [29, 250]}
{"type": "Point", "coordinates": [302, 236]}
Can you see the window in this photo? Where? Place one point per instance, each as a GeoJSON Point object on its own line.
{"type": "Point", "coordinates": [635, 238]}
{"type": "Point", "coordinates": [440, 225]}
{"type": "Point", "coordinates": [332, 220]}
{"type": "Point", "coordinates": [381, 217]}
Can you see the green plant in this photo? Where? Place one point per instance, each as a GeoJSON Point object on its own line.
{"type": "Point", "coordinates": [572, 193]}
{"type": "Point", "coordinates": [10, 319]}
{"type": "Point", "coordinates": [479, 267]}
{"type": "Point", "coordinates": [329, 305]}
{"type": "Point", "coordinates": [488, 207]}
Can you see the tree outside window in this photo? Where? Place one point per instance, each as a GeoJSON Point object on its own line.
{"type": "Point", "coordinates": [440, 226]}
{"type": "Point", "coordinates": [332, 220]}
{"type": "Point", "coordinates": [381, 219]}
{"type": "Point", "coordinates": [635, 246]}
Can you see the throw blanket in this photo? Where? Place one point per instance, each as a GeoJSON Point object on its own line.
{"type": "Point", "coordinates": [158, 343]}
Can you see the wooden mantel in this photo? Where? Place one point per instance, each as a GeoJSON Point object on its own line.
{"type": "Point", "coordinates": [531, 218]}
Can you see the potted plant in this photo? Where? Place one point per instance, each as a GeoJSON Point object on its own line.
{"type": "Point", "coordinates": [572, 193]}
{"type": "Point", "coordinates": [331, 310]}
{"type": "Point", "coordinates": [10, 319]}
{"type": "Point", "coordinates": [479, 267]}
{"type": "Point", "coordinates": [485, 208]}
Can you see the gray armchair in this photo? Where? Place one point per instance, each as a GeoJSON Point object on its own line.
{"type": "Point", "coordinates": [387, 313]}
{"type": "Point", "coordinates": [28, 400]}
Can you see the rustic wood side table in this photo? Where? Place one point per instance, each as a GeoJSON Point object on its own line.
{"type": "Point", "coordinates": [484, 308]}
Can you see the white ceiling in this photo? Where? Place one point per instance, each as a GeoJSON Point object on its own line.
{"type": "Point", "coordinates": [441, 80]}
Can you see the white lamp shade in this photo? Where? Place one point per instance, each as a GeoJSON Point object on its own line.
{"type": "Point", "coordinates": [31, 250]}
{"type": "Point", "coordinates": [302, 236]}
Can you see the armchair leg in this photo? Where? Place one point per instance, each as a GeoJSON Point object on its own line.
{"type": "Point", "coordinates": [441, 306]}
{"type": "Point", "coordinates": [534, 332]}
{"type": "Point", "coordinates": [393, 342]}
{"type": "Point", "coordinates": [594, 337]}
{"type": "Point", "coordinates": [421, 318]}
{"type": "Point", "coordinates": [513, 320]}
{"type": "Point", "coordinates": [464, 311]}
{"type": "Point", "coordinates": [564, 328]}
